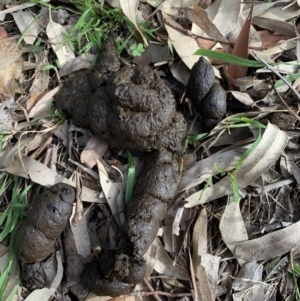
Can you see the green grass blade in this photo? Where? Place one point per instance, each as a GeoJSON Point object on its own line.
{"type": "Point", "coordinates": [247, 152]}
{"type": "Point", "coordinates": [130, 179]}
{"type": "Point", "coordinates": [235, 188]}
{"type": "Point", "coordinates": [235, 60]}
{"type": "Point", "coordinates": [290, 78]}
{"type": "Point", "coordinates": [192, 138]}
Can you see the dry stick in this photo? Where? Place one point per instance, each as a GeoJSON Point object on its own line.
{"type": "Point", "coordinates": [277, 74]}
{"type": "Point", "coordinates": [53, 160]}
{"type": "Point", "coordinates": [195, 36]}
{"type": "Point", "coordinates": [150, 288]}
{"type": "Point", "coordinates": [78, 210]}
{"type": "Point", "coordinates": [286, 105]}
{"type": "Point", "coordinates": [41, 148]}
{"type": "Point", "coordinates": [90, 172]}
{"type": "Point", "coordinates": [47, 156]}
{"type": "Point", "coordinates": [142, 294]}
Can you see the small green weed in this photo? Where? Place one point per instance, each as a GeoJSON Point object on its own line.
{"type": "Point", "coordinates": [242, 122]}
{"type": "Point", "coordinates": [137, 50]}
{"type": "Point", "coordinates": [9, 219]}
{"type": "Point", "coordinates": [130, 179]}
{"type": "Point", "coordinates": [4, 138]}
{"type": "Point", "coordinates": [192, 138]}
{"type": "Point", "coordinates": [296, 274]}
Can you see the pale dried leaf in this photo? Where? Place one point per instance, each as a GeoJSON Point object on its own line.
{"type": "Point", "coordinates": [242, 97]}
{"type": "Point", "coordinates": [249, 283]}
{"type": "Point", "coordinates": [11, 65]}
{"type": "Point", "coordinates": [261, 159]}
{"type": "Point", "coordinates": [202, 285]}
{"type": "Point", "coordinates": [227, 8]}
{"type": "Point", "coordinates": [27, 25]}
{"type": "Point", "coordinates": [164, 265]}
{"type": "Point", "coordinates": [56, 34]}
{"type": "Point", "coordinates": [199, 16]}
{"type": "Point", "coordinates": [232, 226]}
{"type": "Point", "coordinates": [199, 239]}
{"type": "Point", "coordinates": [41, 80]}
{"type": "Point", "coordinates": [280, 47]}
{"type": "Point", "coordinates": [93, 151]}
{"type": "Point", "coordinates": [270, 245]}
{"type": "Point", "coordinates": [281, 27]}
{"type": "Point", "coordinates": [46, 293]}
{"type": "Point", "coordinates": [9, 52]}
{"type": "Point", "coordinates": [7, 108]}
{"type": "Point", "coordinates": [40, 173]}
{"type": "Point", "coordinates": [81, 234]}
{"type": "Point", "coordinates": [173, 7]}
{"type": "Point", "coordinates": [150, 258]}
{"type": "Point", "coordinates": [42, 106]}
{"type": "Point", "coordinates": [112, 191]}
{"type": "Point", "coordinates": [62, 132]}
{"type": "Point", "coordinates": [254, 37]}
{"type": "Point", "coordinates": [83, 61]}
{"type": "Point", "coordinates": [277, 13]}
{"type": "Point", "coordinates": [204, 169]}
{"type": "Point", "coordinates": [33, 99]}
{"type": "Point", "coordinates": [37, 141]}
{"type": "Point", "coordinates": [211, 266]}
{"type": "Point", "coordinates": [16, 8]}
{"type": "Point", "coordinates": [181, 72]}
{"type": "Point", "coordinates": [185, 45]}
{"type": "Point", "coordinates": [130, 8]}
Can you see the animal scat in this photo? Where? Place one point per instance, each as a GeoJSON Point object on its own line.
{"type": "Point", "coordinates": [35, 238]}
{"type": "Point", "coordinates": [133, 109]}
{"type": "Point", "coordinates": [208, 97]}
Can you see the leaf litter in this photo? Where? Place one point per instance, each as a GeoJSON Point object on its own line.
{"type": "Point", "coordinates": [233, 246]}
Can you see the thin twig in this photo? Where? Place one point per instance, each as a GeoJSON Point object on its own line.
{"type": "Point", "coordinates": [142, 294]}
{"type": "Point", "coordinates": [286, 105]}
{"type": "Point", "coordinates": [150, 288]}
{"type": "Point", "coordinates": [93, 174]}
{"type": "Point", "coordinates": [195, 36]}
{"type": "Point", "coordinates": [53, 160]}
{"type": "Point", "coordinates": [78, 210]}
{"type": "Point", "coordinates": [277, 74]}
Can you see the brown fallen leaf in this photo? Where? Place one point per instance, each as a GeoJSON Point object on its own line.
{"type": "Point", "coordinates": [241, 49]}
{"type": "Point", "coordinates": [269, 39]}
{"type": "Point", "coordinates": [10, 64]}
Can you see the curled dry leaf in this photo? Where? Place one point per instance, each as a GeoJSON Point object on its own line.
{"type": "Point", "coordinates": [269, 246]}
{"type": "Point", "coordinates": [261, 159]}
{"type": "Point", "coordinates": [232, 226]}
